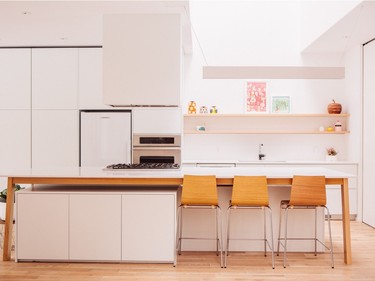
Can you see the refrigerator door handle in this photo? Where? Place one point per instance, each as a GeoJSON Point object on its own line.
{"type": "Point", "coordinates": [128, 155]}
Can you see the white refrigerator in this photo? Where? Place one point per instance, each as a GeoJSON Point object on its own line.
{"type": "Point", "coordinates": [105, 138]}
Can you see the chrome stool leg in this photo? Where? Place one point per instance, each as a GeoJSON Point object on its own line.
{"type": "Point", "coordinates": [265, 232]}
{"type": "Point", "coordinates": [228, 230]}
{"type": "Point", "coordinates": [272, 245]}
{"type": "Point", "coordinates": [280, 222]}
{"type": "Point", "coordinates": [330, 236]}
{"type": "Point", "coordinates": [285, 235]}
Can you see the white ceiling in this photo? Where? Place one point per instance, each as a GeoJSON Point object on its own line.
{"type": "Point", "coordinates": [79, 23]}
{"type": "Point", "coordinates": [357, 27]}
{"type": "Point", "coordinates": [74, 23]}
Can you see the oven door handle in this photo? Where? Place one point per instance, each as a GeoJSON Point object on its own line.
{"type": "Point", "coordinates": [156, 148]}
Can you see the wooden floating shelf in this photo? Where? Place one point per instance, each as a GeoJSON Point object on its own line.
{"type": "Point", "coordinates": [261, 115]}
{"type": "Point", "coordinates": [266, 132]}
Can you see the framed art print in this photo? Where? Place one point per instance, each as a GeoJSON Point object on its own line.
{"type": "Point", "coordinates": [256, 97]}
{"type": "Point", "coordinates": [280, 104]}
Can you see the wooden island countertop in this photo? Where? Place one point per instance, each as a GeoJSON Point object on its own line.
{"type": "Point", "coordinates": [163, 178]}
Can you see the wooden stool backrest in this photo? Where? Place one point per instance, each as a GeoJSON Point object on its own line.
{"type": "Point", "coordinates": [308, 191]}
{"type": "Point", "coordinates": [199, 190]}
{"type": "Point", "coordinates": [250, 191]}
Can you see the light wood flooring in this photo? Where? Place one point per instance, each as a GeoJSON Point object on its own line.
{"type": "Point", "coordinates": [205, 266]}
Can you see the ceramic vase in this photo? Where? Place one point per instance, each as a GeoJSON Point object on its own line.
{"type": "Point", "coordinates": [331, 158]}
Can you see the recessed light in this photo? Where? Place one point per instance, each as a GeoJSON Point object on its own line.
{"type": "Point", "coordinates": [26, 13]}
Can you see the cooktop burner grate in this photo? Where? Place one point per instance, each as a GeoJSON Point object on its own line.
{"type": "Point", "coordinates": [144, 166]}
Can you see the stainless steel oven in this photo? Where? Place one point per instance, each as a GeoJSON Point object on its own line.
{"type": "Point", "coordinates": [151, 148]}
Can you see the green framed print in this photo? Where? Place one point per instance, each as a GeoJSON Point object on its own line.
{"type": "Point", "coordinates": [280, 104]}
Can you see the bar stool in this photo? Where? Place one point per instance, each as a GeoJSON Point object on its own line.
{"type": "Point", "coordinates": [251, 192]}
{"type": "Point", "coordinates": [200, 192]}
{"type": "Point", "coordinates": [307, 192]}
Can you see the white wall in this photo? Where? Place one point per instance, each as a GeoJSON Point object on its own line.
{"type": "Point", "coordinates": [237, 32]}
{"type": "Point", "coordinates": [327, 12]}
{"type": "Point", "coordinates": [353, 98]}
{"type": "Point", "coordinates": [255, 33]}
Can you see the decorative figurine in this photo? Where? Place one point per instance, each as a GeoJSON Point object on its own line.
{"type": "Point", "coordinates": [203, 110]}
{"type": "Point", "coordinates": [213, 110]}
{"type": "Point", "coordinates": [192, 108]}
{"type": "Point", "coordinates": [338, 126]}
{"type": "Point", "coordinates": [334, 108]}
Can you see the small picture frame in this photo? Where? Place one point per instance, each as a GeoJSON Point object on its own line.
{"type": "Point", "coordinates": [256, 97]}
{"type": "Point", "coordinates": [280, 104]}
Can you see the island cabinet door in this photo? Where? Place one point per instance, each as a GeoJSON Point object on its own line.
{"type": "Point", "coordinates": [95, 227]}
{"type": "Point", "coordinates": [148, 223]}
{"type": "Point", "coordinates": [42, 227]}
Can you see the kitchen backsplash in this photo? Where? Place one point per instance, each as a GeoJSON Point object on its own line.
{"type": "Point", "coordinates": [276, 147]}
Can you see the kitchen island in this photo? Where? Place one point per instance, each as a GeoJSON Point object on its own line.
{"type": "Point", "coordinates": [158, 179]}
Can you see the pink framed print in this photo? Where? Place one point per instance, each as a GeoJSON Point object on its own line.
{"type": "Point", "coordinates": [256, 97]}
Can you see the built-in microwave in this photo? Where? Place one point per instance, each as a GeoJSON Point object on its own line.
{"type": "Point", "coordinates": [151, 148]}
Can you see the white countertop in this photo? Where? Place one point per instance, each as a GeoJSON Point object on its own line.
{"type": "Point", "coordinates": [266, 162]}
{"type": "Point", "coordinates": [222, 172]}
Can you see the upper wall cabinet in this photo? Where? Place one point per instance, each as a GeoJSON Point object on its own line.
{"type": "Point", "coordinates": [15, 78]}
{"type": "Point", "coordinates": [90, 79]}
{"type": "Point", "coordinates": [157, 121]}
{"type": "Point", "coordinates": [54, 78]}
{"type": "Point", "coordinates": [142, 59]}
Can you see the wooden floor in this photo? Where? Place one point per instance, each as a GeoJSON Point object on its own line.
{"type": "Point", "coordinates": [205, 266]}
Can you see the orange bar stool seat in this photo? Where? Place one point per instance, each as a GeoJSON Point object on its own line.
{"type": "Point", "coordinates": [200, 192]}
{"type": "Point", "coordinates": [251, 193]}
{"type": "Point", "coordinates": [307, 192]}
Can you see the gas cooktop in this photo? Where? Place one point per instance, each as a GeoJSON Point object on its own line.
{"type": "Point", "coordinates": [144, 166]}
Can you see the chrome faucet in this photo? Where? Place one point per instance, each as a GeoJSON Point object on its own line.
{"type": "Point", "coordinates": [261, 154]}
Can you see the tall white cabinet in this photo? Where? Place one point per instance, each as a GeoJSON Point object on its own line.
{"type": "Point", "coordinates": [41, 92]}
{"type": "Point", "coordinates": [15, 73]}
{"type": "Point", "coordinates": [90, 79]}
{"type": "Point", "coordinates": [55, 78]}
{"type": "Point", "coordinates": [368, 133]}
{"type": "Point", "coordinates": [15, 108]}
{"type": "Point", "coordinates": [55, 103]}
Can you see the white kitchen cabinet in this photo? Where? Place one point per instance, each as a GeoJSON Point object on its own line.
{"type": "Point", "coordinates": [15, 141]}
{"type": "Point", "coordinates": [42, 226]}
{"type": "Point", "coordinates": [55, 138]}
{"type": "Point", "coordinates": [148, 223]}
{"type": "Point", "coordinates": [157, 121]}
{"type": "Point", "coordinates": [90, 79]}
{"type": "Point", "coordinates": [142, 59]}
{"type": "Point", "coordinates": [60, 223]}
{"type": "Point", "coordinates": [95, 227]}
{"type": "Point", "coordinates": [54, 78]}
{"type": "Point", "coordinates": [15, 78]}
